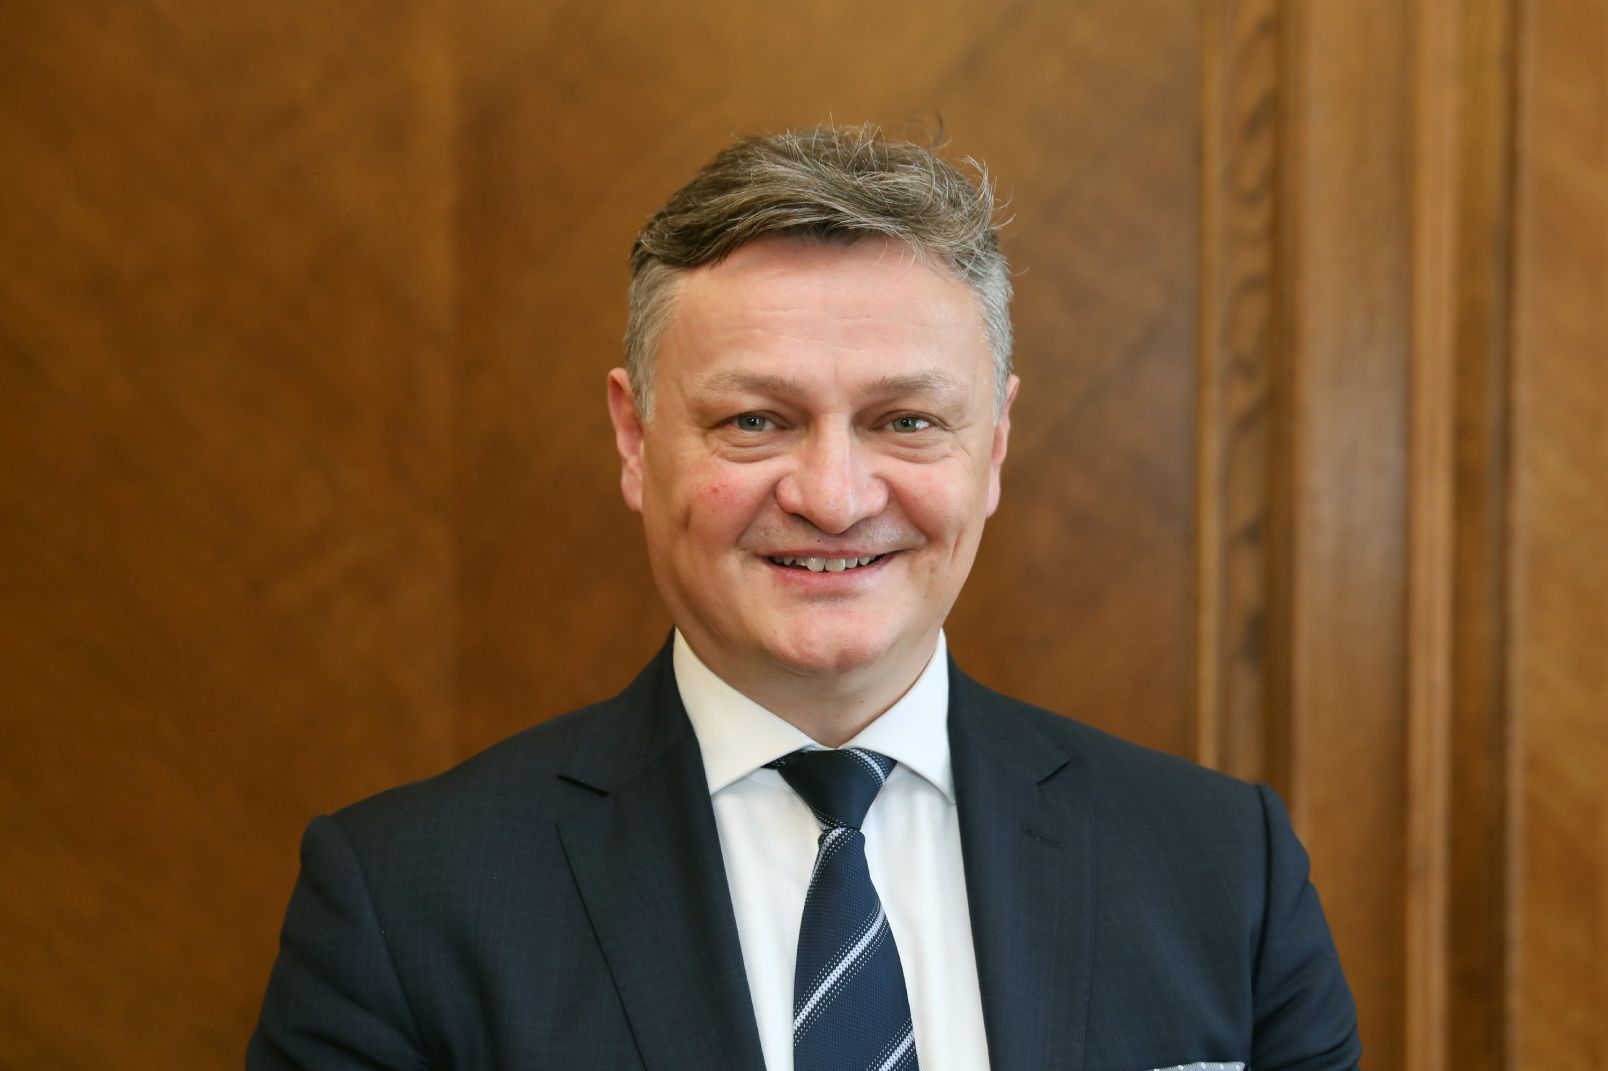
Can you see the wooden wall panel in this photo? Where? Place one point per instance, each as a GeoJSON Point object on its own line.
{"type": "Point", "coordinates": [1475, 756]}
{"type": "Point", "coordinates": [1346, 283]}
{"type": "Point", "coordinates": [223, 491]}
{"type": "Point", "coordinates": [1559, 659]}
{"type": "Point", "coordinates": [1352, 448]}
{"type": "Point", "coordinates": [1457, 717]}
{"type": "Point", "coordinates": [1431, 517]}
{"type": "Point", "coordinates": [1241, 524]}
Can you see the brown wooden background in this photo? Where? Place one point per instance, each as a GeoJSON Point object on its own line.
{"type": "Point", "coordinates": [306, 486]}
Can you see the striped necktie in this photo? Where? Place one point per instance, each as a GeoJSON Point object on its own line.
{"type": "Point", "coordinates": [850, 1011]}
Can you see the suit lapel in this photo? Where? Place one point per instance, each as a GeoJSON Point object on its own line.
{"type": "Point", "coordinates": [1023, 807]}
{"type": "Point", "coordinates": [645, 854]}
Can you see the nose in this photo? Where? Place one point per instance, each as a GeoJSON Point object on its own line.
{"type": "Point", "coordinates": [832, 484]}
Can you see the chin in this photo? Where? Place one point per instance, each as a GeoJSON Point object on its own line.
{"type": "Point", "coordinates": [830, 654]}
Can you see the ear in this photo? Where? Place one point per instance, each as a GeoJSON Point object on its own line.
{"type": "Point", "coordinates": [1002, 437]}
{"type": "Point", "coordinates": [627, 437]}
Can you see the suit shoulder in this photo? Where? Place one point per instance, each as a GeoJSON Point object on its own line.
{"type": "Point", "coordinates": [518, 773]}
{"type": "Point", "coordinates": [531, 778]}
{"type": "Point", "coordinates": [1132, 773]}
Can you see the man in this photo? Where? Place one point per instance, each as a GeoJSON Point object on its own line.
{"type": "Point", "coordinates": [802, 838]}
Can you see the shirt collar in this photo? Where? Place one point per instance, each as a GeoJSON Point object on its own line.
{"type": "Point", "coordinates": [738, 736]}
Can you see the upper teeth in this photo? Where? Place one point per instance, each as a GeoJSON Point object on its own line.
{"type": "Point", "coordinates": [827, 565]}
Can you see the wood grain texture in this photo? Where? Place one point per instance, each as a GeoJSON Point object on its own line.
{"type": "Point", "coordinates": [1238, 731]}
{"type": "Point", "coordinates": [1560, 516]}
{"type": "Point", "coordinates": [225, 541]}
{"type": "Point", "coordinates": [1480, 895]}
{"type": "Point", "coordinates": [1459, 788]}
{"type": "Point", "coordinates": [1431, 517]}
{"type": "Point", "coordinates": [1347, 256]}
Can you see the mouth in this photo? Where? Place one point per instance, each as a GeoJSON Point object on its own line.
{"type": "Point", "coordinates": [825, 565]}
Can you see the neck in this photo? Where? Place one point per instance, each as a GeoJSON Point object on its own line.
{"type": "Point", "coordinates": [830, 709]}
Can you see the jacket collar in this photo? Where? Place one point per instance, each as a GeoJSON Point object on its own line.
{"type": "Point", "coordinates": [645, 854]}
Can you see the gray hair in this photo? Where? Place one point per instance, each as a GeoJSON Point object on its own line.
{"type": "Point", "coordinates": [827, 183]}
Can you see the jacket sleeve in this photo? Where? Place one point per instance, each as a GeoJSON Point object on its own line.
{"type": "Point", "coordinates": [334, 1000]}
{"type": "Point", "coordinates": [1305, 1018]}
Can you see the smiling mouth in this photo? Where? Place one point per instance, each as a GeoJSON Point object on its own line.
{"type": "Point", "coordinates": [825, 565]}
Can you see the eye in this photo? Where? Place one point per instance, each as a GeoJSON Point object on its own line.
{"type": "Point", "coordinates": [752, 422]}
{"type": "Point", "coordinates": [909, 424]}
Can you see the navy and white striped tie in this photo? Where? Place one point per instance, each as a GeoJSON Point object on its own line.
{"type": "Point", "coordinates": [850, 1010]}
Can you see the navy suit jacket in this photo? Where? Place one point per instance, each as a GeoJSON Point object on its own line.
{"type": "Point", "coordinates": [559, 901]}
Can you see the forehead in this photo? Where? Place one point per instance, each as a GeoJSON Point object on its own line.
{"type": "Point", "coordinates": [873, 307]}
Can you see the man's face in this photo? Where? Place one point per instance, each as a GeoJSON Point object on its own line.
{"type": "Point", "coordinates": [820, 458]}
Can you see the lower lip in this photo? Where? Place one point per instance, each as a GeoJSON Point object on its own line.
{"type": "Point", "coordinates": [810, 578]}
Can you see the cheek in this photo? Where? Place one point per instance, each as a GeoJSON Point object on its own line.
{"type": "Point", "coordinates": [942, 504]}
{"type": "Point", "coordinates": [721, 504]}
{"type": "Point", "coordinates": [715, 493]}
{"type": "Point", "coordinates": [712, 500]}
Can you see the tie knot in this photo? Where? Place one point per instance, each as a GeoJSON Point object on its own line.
{"type": "Point", "coordinates": [837, 785]}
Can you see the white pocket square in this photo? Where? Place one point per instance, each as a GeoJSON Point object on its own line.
{"type": "Point", "coordinates": [1204, 1067]}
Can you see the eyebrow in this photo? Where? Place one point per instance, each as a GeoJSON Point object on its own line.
{"type": "Point", "coordinates": [939, 383]}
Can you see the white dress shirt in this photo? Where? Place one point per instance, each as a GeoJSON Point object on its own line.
{"type": "Point", "coordinates": [768, 840]}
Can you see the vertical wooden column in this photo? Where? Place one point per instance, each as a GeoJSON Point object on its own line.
{"type": "Point", "coordinates": [1352, 408]}
{"type": "Point", "coordinates": [1345, 286]}
{"type": "Point", "coordinates": [1467, 288]}
{"type": "Point", "coordinates": [1431, 504]}
{"type": "Point", "coordinates": [1559, 638]}
{"type": "Point", "coordinates": [1238, 654]}
{"type": "Point", "coordinates": [1304, 411]}
{"type": "Point", "coordinates": [1457, 787]}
